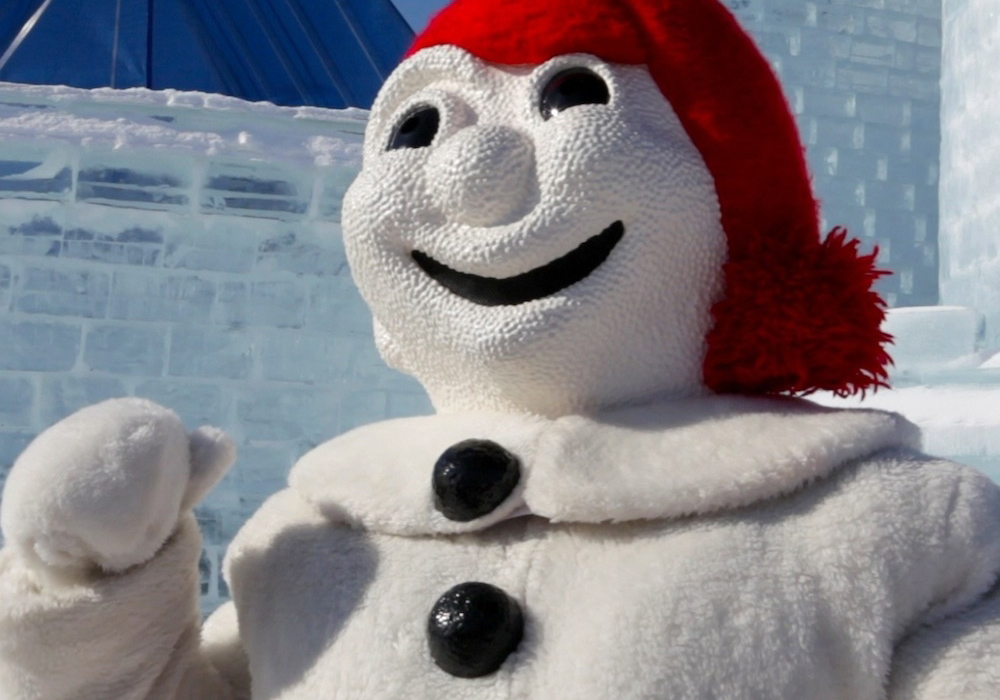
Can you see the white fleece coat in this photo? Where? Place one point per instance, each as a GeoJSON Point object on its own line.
{"type": "Point", "coordinates": [707, 548]}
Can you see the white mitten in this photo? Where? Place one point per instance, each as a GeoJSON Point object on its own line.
{"type": "Point", "coordinates": [107, 485]}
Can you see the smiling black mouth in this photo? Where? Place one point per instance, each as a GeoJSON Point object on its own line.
{"type": "Point", "coordinates": [528, 286]}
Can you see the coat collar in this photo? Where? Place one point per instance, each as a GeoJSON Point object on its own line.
{"type": "Point", "coordinates": [666, 460]}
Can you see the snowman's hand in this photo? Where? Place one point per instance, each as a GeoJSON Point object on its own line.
{"type": "Point", "coordinates": [99, 575]}
{"type": "Point", "coordinates": [107, 486]}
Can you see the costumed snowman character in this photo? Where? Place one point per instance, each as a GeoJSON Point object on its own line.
{"type": "Point", "coordinates": [587, 228]}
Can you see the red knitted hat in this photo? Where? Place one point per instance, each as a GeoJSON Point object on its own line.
{"type": "Point", "coordinates": [798, 313]}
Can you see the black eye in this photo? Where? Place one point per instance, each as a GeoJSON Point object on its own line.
{"type": "Point", "coordinates": [571, 88]}
{"type": "Point", "coordinates": [417, 129]}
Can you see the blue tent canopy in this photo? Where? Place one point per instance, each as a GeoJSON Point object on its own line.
{"type": "Point", "coordinates": [328, 53]}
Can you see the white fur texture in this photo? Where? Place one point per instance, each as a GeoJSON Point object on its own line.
{"type": "Point", "coordinates": [70, 635]}
{"type": "Point", "coordinates": [107, 485]}
{"type": "Point", "coordinates": [668, 460]}
{"type": "Point", "coordinates": [99, 579]}
{"type": "Point", "coordinates": [822, 593]}
{"type": "Point", "coordinates": [221, 643]}
{"type": "Point", "coordinates": [957, 658]}
{"type": "Point", "coordinates": [502, 191]}
{"type": "Point", "coordinates": [800, 595]}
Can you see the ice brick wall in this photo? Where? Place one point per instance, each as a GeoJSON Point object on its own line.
{"type": "Point", "coordinates": [970, 159]}
{"type": "Point", "coordinates": [185, 248]}
{"type": "Point", "coordinates": [862, 78]}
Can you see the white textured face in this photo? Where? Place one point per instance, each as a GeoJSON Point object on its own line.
{"type": "Point", "coordinates": [464, 233]}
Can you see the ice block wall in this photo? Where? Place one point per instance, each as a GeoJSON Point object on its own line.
{"type": "Point", "coordinates": [862, 78]}
{"type": "Point", "coordinates": [185, 248]}
{"type": "Point", "coordinates": [970, 159]}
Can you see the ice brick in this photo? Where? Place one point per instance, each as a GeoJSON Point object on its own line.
{"type": "Point", "coordinates": [135, 180]}
{"type": "Point", "coordinates": [256, 189]}
{"type": "Point", "coordinates": [844, 19]}
{"type": "Point", "coordinates": [862, 77]}
{"type": "Point", "coordinates": [140, 296]}
{"type": "Point", "coordinates": [358, 408]}
{"type": "Point", "coordinates": [279, 303]}
{"type": "Point", "coordinates": [288, 414]}
{"type": "Point", "coordinates": [402, 404]}
{"type": "Point", "coordinates": [31, 169]}
{"type": "Point", "coordinates": [881, 109]}
{"type": "Point", "coordinates": [263, 469]}
{"type": "Point", "coordinates": [211, 353]}
{"type": "Point", "coordinates": [63, 292]}
{"type": "Point", "coordinates": [219, 244]}
{"type": "Point", "coordinates": [333, 186]}
{"type": "Point", "coordinates": [829, 103]}
{"type": "Point", "coordinates": [63, 394]}
{"type": "Point", "coordinates": [38, 346]}
{"type": "Point", "coordinates": [197, 403]}
{"type": "Point", "coordinates": [336, 306]}
{"type": "Point", "coordinates": [125, 350]}
{"type": "Point", "coordinates": [873, 52]}
{"type": "Point", "coordinates": [320, 358]}
{"type": "Point", "coordinates": [933, 336]}
{"type": "Point", "coordinates": [12, 444]}
{"type": "Point", "coordinates": [232, 304]}
{"type": "Point", "coordinates": [303, 254]}
{"type": "Point", "coordinates": [132, 246]}
{"type": "Point", "coordinates": [5, 283]}
{"type": "Point", "coordinates": [887, 26]}
{"type": "Point", "coordinates": [39, 236]}
{"type": "Point", "coordinates": [17, 401]}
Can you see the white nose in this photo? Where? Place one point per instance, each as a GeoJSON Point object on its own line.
{"type": "Point", "coordinates": [484, 176]}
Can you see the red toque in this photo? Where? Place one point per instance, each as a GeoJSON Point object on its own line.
{"type": "Point", "coordinates": [798, 313]}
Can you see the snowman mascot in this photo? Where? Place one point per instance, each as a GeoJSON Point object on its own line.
{"type": "Point", "coordinates": [587, 228]}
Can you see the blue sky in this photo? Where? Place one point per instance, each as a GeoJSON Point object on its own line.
{"type": "Point", "coordinates": [417, 12]}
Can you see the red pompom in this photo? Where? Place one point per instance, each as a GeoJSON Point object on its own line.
{"type": "Point", "coordinates": [799, 321]}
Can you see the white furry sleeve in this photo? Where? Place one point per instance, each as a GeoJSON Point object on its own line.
{"type": "Point", "coordinates": [129, 636]}
{"type": "Point", "coordinates": [958, 659]}
{"type": "Point", "coordinates": [953, 653]}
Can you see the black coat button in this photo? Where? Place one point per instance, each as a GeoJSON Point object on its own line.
{"type": "Point", "coordinates": [472, 478]}
{"type": "Point", "coordinates": [473, 628]}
